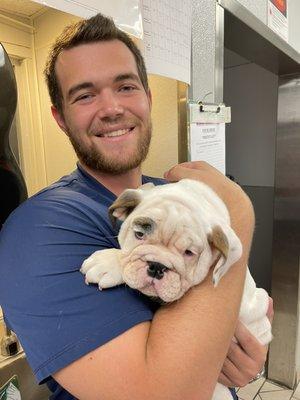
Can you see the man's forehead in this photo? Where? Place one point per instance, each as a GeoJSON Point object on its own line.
{"type": "Point", "coordinates": [114, 49]}
{"type": "Point", "coordinates": [110, 57]}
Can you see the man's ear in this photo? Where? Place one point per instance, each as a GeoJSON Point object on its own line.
{"type": "Point", "coordinates": [149, 95]}
{"type": "Point", "coordinates": [59, 119]}
{"type": "Point", "coordinates": [124, 204]}
{"type": "Point", "coordinates": [226, 241]}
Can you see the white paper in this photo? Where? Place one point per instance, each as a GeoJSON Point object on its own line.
{"type": "Point", "coordinates": [126, 14]}
{"type": "Point", "coordinates": [167, 28]}
{"type": "Point", "coordinates": [277, 18]}
{"type": "Point", "coordinates": [207, 143]}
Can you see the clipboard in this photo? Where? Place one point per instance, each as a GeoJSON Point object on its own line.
{"type": "Point", "coordinates": [206, 133]}
{"type": "Point", "coordinates": [209, 113]}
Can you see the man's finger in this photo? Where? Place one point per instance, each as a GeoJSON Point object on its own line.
{"type": "Point", "coordinates": [236, 376]}
{"type": "Point", "coordinates": [237, 355]}
{"type": "Point", "coordinates": [224, 380]}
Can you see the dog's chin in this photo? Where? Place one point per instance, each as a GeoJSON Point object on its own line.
{"type": "Point", "coordinates": [161, 296]}
{"type": "Point", "coordinates": [169, 288]}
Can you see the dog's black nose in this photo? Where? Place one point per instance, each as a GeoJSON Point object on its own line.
{"type": "Point", "coordinates": [156, 270]}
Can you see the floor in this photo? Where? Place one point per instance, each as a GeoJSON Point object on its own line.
{"type": "Point", "coordinates": [266, 390]}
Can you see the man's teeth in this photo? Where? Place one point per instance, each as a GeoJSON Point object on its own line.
{"type": "Point", "coordinates": [120, 132]}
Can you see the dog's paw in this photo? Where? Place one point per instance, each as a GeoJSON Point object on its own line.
{"type": "Point", "coordinates": [103, 268]}
{"type": "Point", "coordinates": [91, 261]}
{"type": "Point", "coordinates": [104, 279]}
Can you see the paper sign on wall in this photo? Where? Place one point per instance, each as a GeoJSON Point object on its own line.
{"type": "Point", "coordinates": [163, 25]}
{"type": "Point", "coordinates": [207, 143]}
{"type": "Point", "coordinates": [278, 17]}
{"type": "Point", "coordinates": [167, 28]}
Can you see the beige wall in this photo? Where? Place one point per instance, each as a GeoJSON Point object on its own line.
{"type": "Point", "coordinates": [164, 147]}
{"type": "Point", "coordinates": [59, 155]}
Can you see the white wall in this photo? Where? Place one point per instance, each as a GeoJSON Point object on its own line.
{"type": "Point", "coordinates": [203, 50]}
{"type": "Point", "coordinates": [294, 26]}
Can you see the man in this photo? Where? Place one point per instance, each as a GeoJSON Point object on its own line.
{"type": "Point", "coordinates": [114, 344]}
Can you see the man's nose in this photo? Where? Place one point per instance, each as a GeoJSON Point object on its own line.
{"type": "Point", "coordinates": [110, 106]}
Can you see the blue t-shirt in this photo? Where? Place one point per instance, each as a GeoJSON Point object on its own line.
{"type": "Point", "coordinates": [58, 318]}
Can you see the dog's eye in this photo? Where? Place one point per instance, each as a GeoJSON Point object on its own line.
{"type": "Point", "coordinates": [139, 235]}
{"type": "Point", "coordinates": [188, 253]}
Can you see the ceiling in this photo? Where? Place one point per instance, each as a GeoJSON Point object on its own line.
{"type": "Point", "coordinates": [22, 8]}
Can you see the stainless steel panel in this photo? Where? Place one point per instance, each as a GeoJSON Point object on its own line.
{"type": "Point", "coordinates": [249, 37]}
{"type": "Point", "coordinates": [257, 7]}
{"type": "Point", "coordinates": [286, 241]}
{"type": "Point", "coordinates": [219, 56]}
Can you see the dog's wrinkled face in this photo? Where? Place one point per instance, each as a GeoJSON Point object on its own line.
{"type": "Point", "coordinates": [166, 246]}
{"type": "Point", "coordinates": [163, 251]}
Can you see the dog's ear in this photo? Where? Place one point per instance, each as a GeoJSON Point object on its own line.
{"type": "Point", "coordinates": [226, 241]}
{"type": "Point", "coordinates": [124, 205]}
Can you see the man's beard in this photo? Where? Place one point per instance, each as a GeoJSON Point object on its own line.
{"type": "Point", "coordinates": [97, 160]}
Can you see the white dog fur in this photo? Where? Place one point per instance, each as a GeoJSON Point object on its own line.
{"type": "Point", "coordinates": [171, 236]}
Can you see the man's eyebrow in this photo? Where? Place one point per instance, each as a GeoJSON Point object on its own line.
{"type": "Point", "coordinates": [76, 88]}
{"type": "Point", "coordinates": [124, 77]}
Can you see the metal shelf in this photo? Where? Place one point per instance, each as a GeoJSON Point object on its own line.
{"type": "Point", "coordinates": [249, 37]}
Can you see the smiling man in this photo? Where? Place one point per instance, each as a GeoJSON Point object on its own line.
{"type": "Point", "coordinates": [114, 344]}
{"type": "Point", "coordinates": [106, 115]}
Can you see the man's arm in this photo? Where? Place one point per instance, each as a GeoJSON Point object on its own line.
{"type": "Point", "coordinates": [179, 354]}
{"type": "Point", "coordinates": [242, 363]}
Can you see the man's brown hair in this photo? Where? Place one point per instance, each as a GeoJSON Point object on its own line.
{"type": "Point", "coordinates": [95, 29]}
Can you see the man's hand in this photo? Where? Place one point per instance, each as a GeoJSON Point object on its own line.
{"type": "Point", "coordinates": [230, 192]}
{"type": "Point", "coordinates": [246, 358]}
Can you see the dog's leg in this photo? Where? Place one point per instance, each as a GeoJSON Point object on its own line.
{"type": "Point", "coordinates": [103, 267]}
{"type": "Point", "coordinates": [253, 311]}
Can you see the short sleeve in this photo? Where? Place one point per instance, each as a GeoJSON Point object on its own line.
{"type": "Point", "coordinates": [56, 317]}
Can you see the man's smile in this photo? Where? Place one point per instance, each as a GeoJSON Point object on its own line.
{"type": "Point", "coordinates": [115, 133]}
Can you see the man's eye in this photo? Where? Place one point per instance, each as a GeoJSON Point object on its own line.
{"type": "Point", "coordinates": [83, 97]}
{"type": "Point", "coordinates": [127, 88]}
{"type": "Point", "coordinates": [139, 235]}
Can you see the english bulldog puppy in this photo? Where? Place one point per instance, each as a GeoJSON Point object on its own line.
{"type": "Point", "coordinates": [170, 238]}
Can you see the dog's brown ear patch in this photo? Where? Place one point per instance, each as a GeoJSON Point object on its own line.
{"type": "Point", "coordinates": [225, 240]}
{"type": "Point", "coordinates": [219, 240]}
{"type": "Point", "coordinates": [124, 205]}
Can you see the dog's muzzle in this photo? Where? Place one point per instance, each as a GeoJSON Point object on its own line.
{"type": "Point", "coordinates": [156, 270]}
